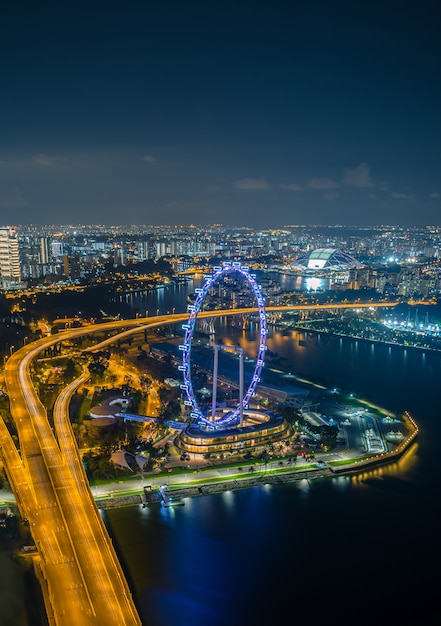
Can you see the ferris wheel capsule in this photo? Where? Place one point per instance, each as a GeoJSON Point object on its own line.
{"type": "Point", "coordinates": [194, 309]}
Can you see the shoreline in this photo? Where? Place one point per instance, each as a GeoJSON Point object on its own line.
{"type": "Point", "coordinates": [260, 478]}
{"type": "Point", "coordinates": [142, 496]}
{"type": "Point", "coordinates": [205, 489]}
{"type": "Point", "coordinates": [357, 338]}
{"type": "Point", "coordinates": [145, 497]}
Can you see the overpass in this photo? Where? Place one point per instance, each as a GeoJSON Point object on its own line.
{"type": "Point", "coordinates": [82, 580]}
{"type": "Point", "coordinates": [139, 324]}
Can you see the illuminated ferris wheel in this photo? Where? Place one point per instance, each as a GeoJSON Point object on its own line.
{"type": "Point", "coordinates": [189, 327]}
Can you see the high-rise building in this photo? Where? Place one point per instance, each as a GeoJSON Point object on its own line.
{"type": "Point", "coordinates": [44, 250]}
{"type": "Point", "coordinates": [162, 248]}
{"type": "Point", "coordinates": [9, 257]}
{"type": "Point", "coordinates": [72, 266]}
{"type": "Point", "coordinates": [119, 254]}
{"type": "Point", "coordinates": [57, 248]}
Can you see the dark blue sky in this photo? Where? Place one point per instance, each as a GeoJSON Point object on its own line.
{"type": "Point", "coordinates": [241, 113]}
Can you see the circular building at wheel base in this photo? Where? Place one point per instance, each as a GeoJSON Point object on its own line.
{"type": "Point", "coordinates": [259, 429]}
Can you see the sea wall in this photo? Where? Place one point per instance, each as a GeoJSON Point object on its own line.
{"type": "Point", "coordinates": [113, 502]}
{"type": "Point", "coordinates": [213, 488]}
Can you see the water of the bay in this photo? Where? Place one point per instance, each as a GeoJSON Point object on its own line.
{"type": "Point", "coordinates": [361, 550]}
{"type": "Point", "coordinates": [353, 550]}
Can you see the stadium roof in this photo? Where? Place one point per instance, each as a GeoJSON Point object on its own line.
{"type": "Point", "coordinates": [326, 259]}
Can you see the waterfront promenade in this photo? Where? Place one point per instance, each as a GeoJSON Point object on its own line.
{"type": "Point", "coordinates": [57, 496]}
{"type": "Point", "coordinates": [213, 479]}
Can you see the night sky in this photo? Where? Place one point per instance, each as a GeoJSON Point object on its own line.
{"type": "Point", "coordinates": [240, 113]}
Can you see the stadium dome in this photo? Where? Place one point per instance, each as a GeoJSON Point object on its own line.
{"type": "Point", "coordinates": [326, 259]}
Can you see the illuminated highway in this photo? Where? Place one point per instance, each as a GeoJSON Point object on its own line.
{"type": "Point", "coordinates": [82, 580]}
{"type": "Point", "coordinates": [134, 326]}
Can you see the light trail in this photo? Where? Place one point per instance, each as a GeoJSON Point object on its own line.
{"type": "Point", "coordinates": [84, 580]}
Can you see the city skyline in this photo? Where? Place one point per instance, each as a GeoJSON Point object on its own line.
{"type": "Point", "coordinates": [183, 114]}
{"type": "Point", "coordinates": [337, 353]}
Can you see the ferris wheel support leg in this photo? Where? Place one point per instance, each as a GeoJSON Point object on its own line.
{"type": "Point", "coordinates": [241, 385]}
{"type": "Point", "coordinates": [215, 368]}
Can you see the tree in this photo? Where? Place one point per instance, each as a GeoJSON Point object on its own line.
{"type": "Point", "coordinates": [70, 369]}
{"type": "Point", "coordinates": [164, 394]}
{"type": "Point", "coordinates": [96, 369]}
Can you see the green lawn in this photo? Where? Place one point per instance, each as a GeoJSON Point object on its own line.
{"type": "Point", "coordinates": [343, 462]}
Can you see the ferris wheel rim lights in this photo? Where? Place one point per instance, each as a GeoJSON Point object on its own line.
{"type": "Point", "coordinates": [189, 326]}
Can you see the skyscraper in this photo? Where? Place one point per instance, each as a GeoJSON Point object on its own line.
{"type": "Point", "coordinates": [9, 257]}
{"type": "Point", "coordinates": [57, 248]}
{"type": "Point", "coordinates": [44, 250]}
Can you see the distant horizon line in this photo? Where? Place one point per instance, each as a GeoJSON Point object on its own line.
{"type": "Point", "coordinates": [217, 225]}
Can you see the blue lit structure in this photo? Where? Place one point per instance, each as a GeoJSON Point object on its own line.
{"type": "Point", "coordinates": [331, 259]}
{"type": "Point", "coordinates": [218, 273]}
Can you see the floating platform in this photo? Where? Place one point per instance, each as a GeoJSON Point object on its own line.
{"type": "Point", "coordinates": [167, 500]}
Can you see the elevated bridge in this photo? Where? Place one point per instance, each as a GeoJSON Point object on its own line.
{"type": "Point", "coordinates": [82, 579]}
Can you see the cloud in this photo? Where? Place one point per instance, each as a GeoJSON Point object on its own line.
{"type": "Point", "coordinates": [292, 187]}
{"type": "Point", "coordinates": [252, 183]}
{"type": "Point", "coordinates": [372, 196]}
{"type": "Point", "coordinates": [13, 198]}
{"type": "Point", "coordinates": [401, 196]}
{"type": "Point", "coordinates": [150, 159]}
{"type": "Point", "coordinates": [45, 160]}
{"type": "Point", "coordinates": [41, 160]}
{"type": "Point", "coordinates": [322, 183]}
{"type": "Point", "coordinates": [358, 176]}
{"type": "Point", "coordinates": [331, 195]}
{"type": "Point", "coordinates": [435, 195]}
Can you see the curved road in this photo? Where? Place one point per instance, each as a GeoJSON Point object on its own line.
{"type": "Point", "coordinates": [84, 582]}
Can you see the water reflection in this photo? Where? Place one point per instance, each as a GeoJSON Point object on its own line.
{"type": "Point", "coordinates": [303, 486]}
{"type": "Point", "coordinates": [313, 284]}
{"type": "Point", "coordinates": [341, 482]}
{"type": "Point", "coordinates": [228, 498]}
{"type": "Point", "coordinates": [400, 471]}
